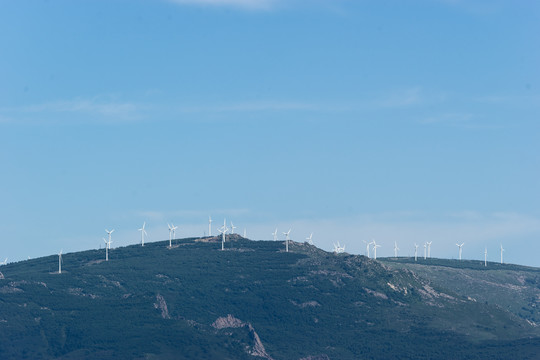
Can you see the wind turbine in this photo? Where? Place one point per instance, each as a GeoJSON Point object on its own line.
{"type": "Point", "coordinates": [287, 240]}
{"type": "Point", "coordinates": [223, 230]}
{"type": "Point", "coordinates": [425, 251]}
{"type": "Point", "coordinates": [107, 246]}
{"type": "Point", "coordinates": [170, 234]}
{"type": "Point", "coordinates": [395, 249]}
{"type": "Point", "coordinates": [209, 225]}
{"type": "Point", "coordinates": [5, 261]}
{"type": "Point", "coordinates": [429, 249]}
{"type": "Point", "coordinates": [232, 228]}
{"type": "Point", "coordinates": [275, 234]}
{"type": "Point", "coordinates": [367, 247]}
{"type": "Point", "coordinates": [375, 246]}
{"type": "Point", "coordinates": [501, 254]}
{"type": "Point", "coordinates": [460, 246]}
{"type": "Point", "coordinates": [245, 236]}
{"type": "Point", "coordinates": [309, 239]}
{"type": "Point", "coordinates": [109, 233]}
{"type": "Point", "coordinates": [338, 249]}
{"type": "Point", "coordinates": [485, 256]}
{"type": "Point", "coordinates": [415, 251]}
{"type": "Point", "coordinates": [60, 262]}
{"type": "Point", "coordinates": [143, 232]}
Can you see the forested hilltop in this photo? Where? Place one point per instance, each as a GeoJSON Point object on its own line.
{"type": "Point", "coordinates": [254, 300]}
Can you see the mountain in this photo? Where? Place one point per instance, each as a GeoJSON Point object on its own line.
{"type": "Point", "coordinates": [251, 301]}
{"type": "Point", "coordinates": [513, 288]}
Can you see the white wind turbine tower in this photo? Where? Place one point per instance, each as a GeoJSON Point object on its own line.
{"type": "Point", "coordinates": [143, 232]}
{"type": "Point", "coordinates": [502, 254]}
{"type": "Point", "coordinates": [367, 246]}
{"type": "Point", "coordinates": [460, 246]}
{"type": "Point", "coordinates": [425, 251]}
{"type": "Point", "coordinates": [170, 234]}
{"type": "Point", "coordinates": [375, 246]}
{"type": "Point", "coordinates": [309, 239]}
{"type": "Point", "coordinates": [275, 234]}
{"type": "Point", "coordinates": [485, 256]}
{"type": "Point", "coordinates": [4, 262]}
{"type": "Point", "coordinates": [223, 230]}
{"type": "Point", "coordinates": [209, 226]}
{"type": "Point", "coordinates": [429, 249]}
{"type": "Point", "coordinates": [415, 251]}
{"type": "Point", "coordinates": [287, 240]}
{"type": "Point", "coordinates": [395, 249]}
{"type": "Point", "coordinates": [232, 228]}
{"type": "Point", "coordinates": [60, 262]}
{"type": "Point", "coordinates": [107, 247]}
{"type": "Point", "coordinates": [110, 241]}
{"type": "Point", "coordinates": [245, 236]}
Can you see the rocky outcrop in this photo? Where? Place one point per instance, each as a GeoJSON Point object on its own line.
{"type": "Point", "coordinates": [81, 292]}
{"type": "Point", "coordinates": [433, 297]}
{"type": "Point", "coordinates": [230, 321]}
{"type": "Point", "coordinates": [161, 305]}
{"type": "Point", "coordinates": [9, 290]}
{"type": "Point", "coordinates": [316, 357]}
{"type": "Point", "coordinates": [376, 293]}
{"type": "Point", "coordinates": [306, 304]}
{"type": "Point", "coordinates": [227, 322]}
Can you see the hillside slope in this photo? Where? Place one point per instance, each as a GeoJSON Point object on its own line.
{"type": "Point", "coordinates": [510, 287]}
{"type": "Point", "coordinates": [251, 301]}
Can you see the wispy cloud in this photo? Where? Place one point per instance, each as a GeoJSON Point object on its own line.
{"type": "Point", "coordinates": [397, 99]}
{"type": "Point", "coordinates": [254, 106]}
{"type": "Point", "coordinates": [529, 100]}
{"type": "Point", "coordinates": [4, 119]}
{"type": "Point", "coordinates": [98, 108]}
{"type": "Point", "coordinates": [241, 4]}
{"type": "Point", "coordinates": [407, 97]}
{"type": "Point", "coordinates": [479, 7]}
{"type": "Point", "coordinates": [453, 119]}
{"type": "Point", "coordinates": [158, 215]}
{"type": "Point", "coordinates": [463, 120]}
{"type": "Point", "coordinates": [93, 105]}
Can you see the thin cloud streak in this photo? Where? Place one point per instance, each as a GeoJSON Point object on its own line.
{"type": "Point", "coordinates": [118, 109]}
{"type": "Point", "coordinates": [97, 108]}
{"type": "Point", "coordinates": [407, 97]}
{"type": "Point", "coordinates": [182, 214]}
{"type": "Point", "coordinates": [255, 106]}
{"type": "Point", "coordinates": [241, 4]}
{"type": "Point", "coordinates": [463, 120]}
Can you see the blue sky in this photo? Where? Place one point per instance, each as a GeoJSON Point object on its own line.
{"type": "Point", "coordinates": [355, 120]}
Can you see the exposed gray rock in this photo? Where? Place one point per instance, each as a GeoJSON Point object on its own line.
{"type": "Point", "coordinates": [316, 357]}
{"type": "Point", "coordinates": [231, 322]}
{"type": "Point", "coordinates": [306, 304]}
{"type": "Point", "coordinates": [10, 290]}
{"type": "Point", "coordinates": [227, 322]}
{"type": "Point", "coordinates": [161, 304]}
{"type": "Point", "coordinates": [376, 293]}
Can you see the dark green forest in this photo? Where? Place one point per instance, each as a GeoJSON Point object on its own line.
{"type": "Point", "coordinates": [155, 302]}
